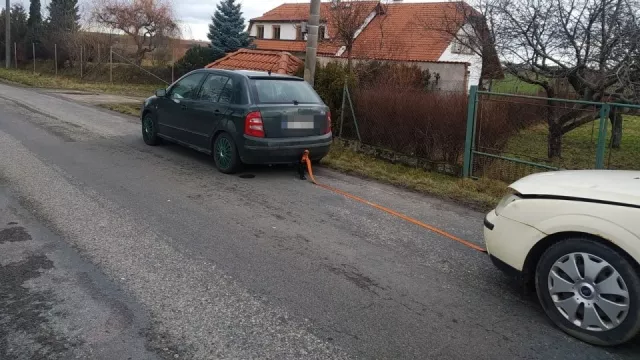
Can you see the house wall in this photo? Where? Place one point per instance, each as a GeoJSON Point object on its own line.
{"type": "Point", "coordinates": [287, 30]}
{"type": "Point", "coordinates": [453, 76]}
{"type": "Point", "coordinates": [474, 60]}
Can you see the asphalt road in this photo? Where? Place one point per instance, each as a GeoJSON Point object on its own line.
{"type": "Point", "coordinates": [205, 265]}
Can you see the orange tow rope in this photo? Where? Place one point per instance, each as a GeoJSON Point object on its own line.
{"type": "Point", "coordinates": [305, 160]}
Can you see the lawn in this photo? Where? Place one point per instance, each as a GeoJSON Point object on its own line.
{"type": "Point", "coordinates": [28, 78]}
{"type": "Point", "coordinates": [578, 150]}
{"type": "Point", "coordinates": [512, 85]}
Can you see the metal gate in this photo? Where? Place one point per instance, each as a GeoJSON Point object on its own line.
{"type": "Point", "coordinates": [509, 136]}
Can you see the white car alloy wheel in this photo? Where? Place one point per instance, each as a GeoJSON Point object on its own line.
{"type": "Point", "coordinates": [590, 290]}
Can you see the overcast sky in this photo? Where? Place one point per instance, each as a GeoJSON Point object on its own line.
{"type": "Point", "coordinates": [195, 15]}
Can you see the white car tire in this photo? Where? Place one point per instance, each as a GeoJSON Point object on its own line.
{"type": "Point", "coordinates": [597, 298]}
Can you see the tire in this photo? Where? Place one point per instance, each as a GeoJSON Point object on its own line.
{"type": "Point", "coordinates": [588, 300]}
{"type": "Point", "coordinates": [225, 154]}
{"type": "Point", "coordinates": [150, 130]}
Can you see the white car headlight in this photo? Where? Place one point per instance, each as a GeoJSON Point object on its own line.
{"type": "Point", "coordinates": [506, 200]}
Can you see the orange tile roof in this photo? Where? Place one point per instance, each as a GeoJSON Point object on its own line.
{"type": "Point", "coordinates": [324, 48]}
{"type": "Point", "coordinates": [247, 59]}
{"type": "Point", "coordinates": [403, 31]}
{"type": "Point", "coordinates": [407, 32]}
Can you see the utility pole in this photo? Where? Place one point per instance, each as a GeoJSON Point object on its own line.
{"type": "Point", "coordinates": [312, 42]}
{"type": "Point", "coordinates": [7, 38]}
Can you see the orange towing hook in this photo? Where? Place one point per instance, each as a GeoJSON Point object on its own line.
{"type": "Point", "coordinates": [306, 161]}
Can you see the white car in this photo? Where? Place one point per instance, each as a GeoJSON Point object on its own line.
{"type": "Point", "coordinates": [575, 236]}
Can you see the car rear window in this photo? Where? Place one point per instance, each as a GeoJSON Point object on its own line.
{"type": "Point", "coordinates": [282, 91]}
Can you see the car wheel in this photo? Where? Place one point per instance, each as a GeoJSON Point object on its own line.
{"type": "Point", "coordinates": [590, 291]}
{"type": "Point", "coordinates": [225, 154]}
{"type": "Point", "coordinates": [150, 130]}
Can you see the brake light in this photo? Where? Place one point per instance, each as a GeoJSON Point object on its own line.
{"type": "Point", "coordinates": [328, 129]}
{"type": "Point", "coordinates": [253, 124]}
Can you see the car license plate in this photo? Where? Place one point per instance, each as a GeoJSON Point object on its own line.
{"type": "Point", "coordinates": [298, 122]}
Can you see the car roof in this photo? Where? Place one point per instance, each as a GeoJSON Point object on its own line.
{"type": "Point", "coordinates": [253, 74]}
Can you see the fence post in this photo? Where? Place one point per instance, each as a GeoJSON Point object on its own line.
{"type": "Point", "coordinates": [468, 140]}
{"type": "Point", "coordinates": [55, 57]}
{"type": "Point", "coordinates": [344, 99]}
{"type": "Point", "coordinates": [33, 46]}
{"type": "Point", "coordinates": [99, 58]}
{"type": "Point", "coordinates": [602, 135]}
{"type": "Point", "coordinates": [111, 64]}
{"type": "Point", "coordinates": [353, 113]}
{"type": "Point", "coordinates": [80, 62]}
{"type": "Point", "coordinates": [15, 54]}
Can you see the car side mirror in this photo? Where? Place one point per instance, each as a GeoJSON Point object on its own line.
{"type": "Point", "coordinates": [161, 92]}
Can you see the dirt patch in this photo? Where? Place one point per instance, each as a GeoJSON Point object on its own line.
{"type": "Point", "coordinates": [14, 234]}
{"type": "Point", "coordinates": [25, 312]}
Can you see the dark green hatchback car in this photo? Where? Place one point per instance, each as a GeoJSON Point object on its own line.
{"type": "Point", "coordinates": [241, 117]}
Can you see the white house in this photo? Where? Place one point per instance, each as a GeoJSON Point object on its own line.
{"type": "Point", "coordinates": [417, 33]}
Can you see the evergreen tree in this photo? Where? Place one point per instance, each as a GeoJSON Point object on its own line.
{"type": "Point", "coordinates": [64, 15]}
{"type": "Point", "coordinates": [35, 15]}
{"type": "Point", "coordinates": [226, 31]}
{"type": "Point", "coordinates": [18, 29]}
{"type": "Point", "coordinates": [34, 24]}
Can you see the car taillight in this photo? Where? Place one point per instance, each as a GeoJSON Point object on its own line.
{"type": "Point", "coordinates": [253, 124]}
{"type": "Point", "coordinates": [328, 129]}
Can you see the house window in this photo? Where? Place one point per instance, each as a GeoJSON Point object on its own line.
{"type": "Point", "coordinates": [321, 30]}
{"type": "Point", "coordinates": [460, 46]}
{"type": "Point", "coordinates": [260, 31]}
{"type": "Point", "coordinates": [276, 32]}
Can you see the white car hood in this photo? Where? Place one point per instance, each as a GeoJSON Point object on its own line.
{"type": "Point", "coordinates": [601, 185]}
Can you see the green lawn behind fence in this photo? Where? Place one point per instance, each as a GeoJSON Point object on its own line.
{"type": "Point", "coordinates": [579, 146]}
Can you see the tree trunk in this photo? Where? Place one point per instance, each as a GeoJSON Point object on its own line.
{"type": "Point", "coordinates": [616, 128]}
{"type": "Point", "coordinates": [554, 149]}
{"type": "Point", "coordinates": [554, 141]}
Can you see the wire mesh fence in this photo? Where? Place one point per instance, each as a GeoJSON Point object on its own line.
{"type": "Point", "coordinates": [517, 136]}
{"type": "Point", "coordinates": [92, 62]}
{"type": "Point", "coordinates": [514, 136]}
{"type": "Point", "coordinates": [413, 126]}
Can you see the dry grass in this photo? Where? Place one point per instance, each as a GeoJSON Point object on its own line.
{"type": "Point", "coordinates": [28, 78]}
{"type": "Point", "coordinates": [481, 194]}
{"type": "Point", "coordinates": [124, 108]}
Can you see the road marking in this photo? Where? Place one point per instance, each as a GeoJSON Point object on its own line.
{"type": "Point", "coordinates": [305, 159]}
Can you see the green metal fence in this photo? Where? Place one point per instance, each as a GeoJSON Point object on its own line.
{"type": "Point", "coordinates": [509, 136]}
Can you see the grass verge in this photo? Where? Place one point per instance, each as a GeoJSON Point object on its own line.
{"type": "Point", "coordinates": [481, 194]}
{"type": "Point", "coordinates": [124, 108]}
{"type": "Point", "coordinates": [59, 82]}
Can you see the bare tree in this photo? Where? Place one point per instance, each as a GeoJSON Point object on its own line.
{"type": "Point", "coordinates": [472, 28]}
{"type": "Point", "coordinates": [592, 45]}
{"type": "Point", "coordinates": [347, 19]}
{"type": "Point", "coordinates": [146, 22]}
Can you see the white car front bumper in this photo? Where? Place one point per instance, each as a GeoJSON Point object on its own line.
{"type": "Point", "coordinates": [509, 241]}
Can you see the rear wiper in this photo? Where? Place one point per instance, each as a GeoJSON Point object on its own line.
{"type": "Point", "coordinates": [295, 102]}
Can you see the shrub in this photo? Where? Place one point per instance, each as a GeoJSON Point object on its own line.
{"type": "Point", "coordinates": [196, 57]}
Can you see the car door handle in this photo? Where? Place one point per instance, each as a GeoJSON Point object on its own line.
{"type": "Point", "coordinates": [216, 111]}
{"type": "Point", "coordinates": [183, 107]}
